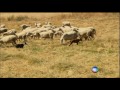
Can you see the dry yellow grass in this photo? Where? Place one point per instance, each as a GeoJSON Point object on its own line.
{"type": "Point", "coordinates": [49, 59]}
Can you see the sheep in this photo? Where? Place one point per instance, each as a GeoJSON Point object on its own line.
{"type": "Point", "coordinates": [21, 35]}
{"type": "Point", "coordinates": [66, 23]}
{"type": "Point", "coordinates": [38, 25]}
{"type": "Point", "coordinates": [2, 30]}
{"type": "Point", "coordinates": [71, 35]}
{"type": "Point", "coordinates": [87, 33]}
{"type": "Point", "coordinates": [66, 29]}
{"type": "Point", "coordinates": [58, 33]}
{"type": "Point", "coordinates": [9, 39]}
{"type": "Point", "coordinates": [33, 32]}
{"type": "Point", "coordinates": [10, 32]}
{"type": "Point", "coordinates": [2, 26]}
{"type": "Point", "coordinates": [28, 32]}
{"type": "Point", "coordinates": [36, 33]}
{"type": "Point", "coordinates": [91, 33]}
{"type": "Point", "coordinates": [47, 34]}
{"type": "Point", "coordinates": [75, 41]}
{"type": "Point", "coordinates": [24, 26]}
{"type": "Point", "coordinates": [48, 23]}
{"type": "Point", "coordinates": [47, 26]}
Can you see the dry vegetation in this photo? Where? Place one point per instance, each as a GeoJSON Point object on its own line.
{"type": "Point", "coordinates": [49, 59]}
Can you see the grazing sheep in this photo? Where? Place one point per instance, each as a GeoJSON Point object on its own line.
{"type": "Point", "coordinates": [71, 35]}
{"type": "Point", "coordinates": [75, 41]}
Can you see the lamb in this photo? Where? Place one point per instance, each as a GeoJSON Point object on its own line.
{"type": "Point", "coordinates": [75, 41]}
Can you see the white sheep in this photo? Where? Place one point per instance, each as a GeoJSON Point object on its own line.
{"type": "Point", "coordinates": [38, 25]}
{"type": "Point", "coordinates": [87, 33]}
{"type": "Point", "coordinates": [9, 39]}
{"type": "Point", "coordinates": [2, 26]}
{"type": "Point", "coordinates": [24, 26]}
{"type": "Point", "coordinates": [47, 34]}
{"type": "Point", "coordinates": [21, 35]}
{"type": "Point", "coordinates": [66, 23]}
{"type": "Point", "coordinates": [2, 30]}
{"type": "Point", "coordinates": [10, 32]}
{"type": "Point", "coordinates": [71, 35]}
{"type": "Point", "coordinates": [58, 33]}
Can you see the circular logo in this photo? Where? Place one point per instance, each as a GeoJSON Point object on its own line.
{"type": "Point", "coordinates": [95, 69]}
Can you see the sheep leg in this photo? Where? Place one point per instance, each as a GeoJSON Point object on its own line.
{"type": "Point", "coordinates": [70, 43]}
{"type": "Point", "coordinates": [86, 38]}
{"type": "Point", "coordinates": [77, 43]}
{"type": "Point", "coordinates": [92, 37]}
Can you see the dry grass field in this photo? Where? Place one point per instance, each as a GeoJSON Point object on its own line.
{"type": "Point", "coordinates": [50, 59]}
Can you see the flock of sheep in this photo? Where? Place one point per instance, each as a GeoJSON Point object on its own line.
{"type": "Point", "coordinates": [65, 32]}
